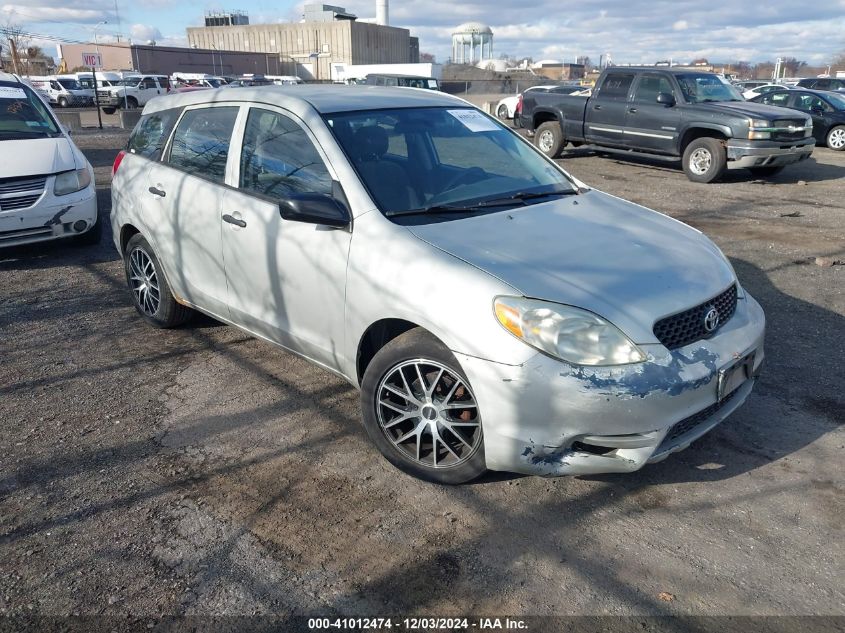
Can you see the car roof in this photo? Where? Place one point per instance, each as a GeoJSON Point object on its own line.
{"type": "Point", "coordinates": [325, 98]}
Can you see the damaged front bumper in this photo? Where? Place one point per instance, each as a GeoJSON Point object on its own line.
{"type": "Point", "coordinates": [548, 418]}
{"type": "Point", "coordinates": [746, 154]}
{"type": "Point", "coordinates": [51, 217]}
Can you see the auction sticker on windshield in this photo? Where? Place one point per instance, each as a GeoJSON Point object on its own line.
{"type": "Point", "coordinates": [474, 121]}
{"type": "Point", "coordinates": [7, 92]}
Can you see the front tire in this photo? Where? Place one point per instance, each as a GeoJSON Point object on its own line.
{"type": "Point", "coordinates": [705, 160]}
{"type": "Point", "coordinates": [836, 138]}
{"type": "Point", "coordinates": [549, 139]}
{"type": "Point", "coordinates": [502, 112]}
{"type": "Point", "coordinates": [151, 293]}
{"type": "Point", "coordinates": [108, 110]}
{"type": "Point", "coordinates": [63, 103]}
{"type": "Point", "coordinates": [420, 411]}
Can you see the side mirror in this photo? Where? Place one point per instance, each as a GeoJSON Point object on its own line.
{"type": "Point", "coordinates": [315, 208]}
{"type": "Point", "coordinates": [666, 98]}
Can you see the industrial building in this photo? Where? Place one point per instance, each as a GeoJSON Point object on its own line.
{"type": "Point", "coordinates": [169, 59]}
{"type": "Point", "coordinates": [328, 34]}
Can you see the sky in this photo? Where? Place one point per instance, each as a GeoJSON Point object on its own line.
{"type": "Point", "coordinates": [632, 31]}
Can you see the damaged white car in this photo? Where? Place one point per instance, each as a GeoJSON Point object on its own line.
{"type": "Point", "coordinates": [46, 184]}
{"type": "Point", "coordinates": [494, 312]}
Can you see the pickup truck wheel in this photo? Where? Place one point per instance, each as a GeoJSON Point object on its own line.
{"type": "Point", "coordinates": [502, 112]}
{"type": "Point", "coordinates": [765, 172]}
{"type": "Point", "coordinates": [549, 139]}
{"type": "Point", "coordinates": [109, 110]}
{"type": "Point", "coordinates": [836, 138]}
{"type": "Point", "coordinates": [704, 160]}
{"type": "Point", "coordinates": [131, 103]}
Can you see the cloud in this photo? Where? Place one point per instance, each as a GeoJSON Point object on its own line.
{"type": "Point", "coordinates": [680, 25]}
{"type": "Point", "coordinates": [27, 13]}
{"type": "Point", "coordinates": [143, 32]}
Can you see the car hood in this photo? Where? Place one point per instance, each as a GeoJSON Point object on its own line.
{"type": "Point", "coordinates": [748, 109]}
{"type": "Point", "coordinates": [38, 156]}
{"type": "Point", "coordinates": [622, 261]}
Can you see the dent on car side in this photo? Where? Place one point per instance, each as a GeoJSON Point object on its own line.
{"type": "Point", "coordinates": [540, 414]}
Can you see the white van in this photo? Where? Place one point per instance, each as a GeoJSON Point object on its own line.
{"type": "Point", "coordinates": [64, 91]}
{"type": "Point", "coordinates": [105, 79]}
{"type": "Point", "coordinates": [46, 184]}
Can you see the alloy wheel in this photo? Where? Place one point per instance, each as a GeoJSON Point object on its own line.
{"type": "Point", "coordinates": [836, 140]}
{"type": "Point", "coordinates": [143, 278]}
{"type": "Point", "coordinates": [428, 413]}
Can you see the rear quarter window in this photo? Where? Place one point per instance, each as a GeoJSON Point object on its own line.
{"type": "Point", "coordinates": [151, 133]}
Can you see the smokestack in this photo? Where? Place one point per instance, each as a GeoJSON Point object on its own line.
{"type": "Point", "coordinates": [381, 12]}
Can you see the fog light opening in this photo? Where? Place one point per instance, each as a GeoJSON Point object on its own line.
{"type": "Point", "coordinates": [80, 225]}
{"type": "Point", "coordinates": [593, 449]}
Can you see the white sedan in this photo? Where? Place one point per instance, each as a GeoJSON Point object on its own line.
{"type": "Point", "coordinates": [761, 90]}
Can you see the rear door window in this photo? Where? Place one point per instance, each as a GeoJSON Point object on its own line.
{"type": "Point", "coordinates": [201, 142]}
{"type": "Point", "coordinates": [616, 86]}
{"type": "Point", "coordinates": [775, 98]}
{"type": "Point", "coordinates": [150, 135]}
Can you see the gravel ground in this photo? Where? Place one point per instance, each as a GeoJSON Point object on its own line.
{"type": "Point", "coordinates": [199, 471]}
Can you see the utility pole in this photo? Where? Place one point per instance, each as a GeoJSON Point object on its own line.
{"type": "Point", "coordinates": [13, 49]}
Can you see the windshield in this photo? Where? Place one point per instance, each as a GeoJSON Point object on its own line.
{"type": "Point", "coordinates": [70, 84]}
{"type": "Point", "coordinates": [418, 161]}
{"type": "Point", "coordinates": [706, 88]}
{"type": "Point", "coordinates": [23, 115]}
{"type": "Point", "coordinates": [127, 82]}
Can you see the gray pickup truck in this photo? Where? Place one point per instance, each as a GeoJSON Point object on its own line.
{"type": "Point", "coordinates": [670, 114]}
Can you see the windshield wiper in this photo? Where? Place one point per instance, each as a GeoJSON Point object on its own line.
{"type": "Point", "coordinates": [485, 204]}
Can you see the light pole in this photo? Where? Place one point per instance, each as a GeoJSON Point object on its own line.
{"type": "Point", "coordinates": [94, 75]}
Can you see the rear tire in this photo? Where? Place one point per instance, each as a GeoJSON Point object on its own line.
{"type": "Point", "coordinates": [549, 139]}
{"type": "Point", "coordinates": [704, 160]}
{"type": "Point", "coordinates": [766, 172]}
{"type": "Point", "coordinates": [441, 422]}
{"type": "Point", "coordinates": [151, 293]}
{"type": "Point", "coordinates": [835, 139]}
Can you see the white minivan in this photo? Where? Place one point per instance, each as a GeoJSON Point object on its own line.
{"type": "Point", "coordinates": [64, 91]}
{"type": "Point", "coordinates": [46, 184]}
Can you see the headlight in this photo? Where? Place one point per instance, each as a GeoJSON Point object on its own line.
{"type": "Point", "coordinates": [570, 334]}
{"type": "Point", "coordinates": [70, 181]}
{"type": "Point", "coordinates": [759, 129]}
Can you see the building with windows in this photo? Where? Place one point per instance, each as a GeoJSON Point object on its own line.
{"type": "Point", "coordinates": [328, 34]}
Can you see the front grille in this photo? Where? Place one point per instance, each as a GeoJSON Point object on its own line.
{"type": "Point", "coordinates": [789, 136]}
{"type": "Point", "coordinates": [689, 424]}
{"type": "Point", "coordinates": [23, 233]}
{"type": "Point", "coordinates": [18, 202]}
{"type": "Point", "coordinates": [103, 94]}
{"type": "Point", "coordinates": [688, 326]}
{"type": "Point", "coordinates": [16, 185]}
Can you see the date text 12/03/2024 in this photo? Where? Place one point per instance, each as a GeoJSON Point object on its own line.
{"type": "Point", "coordinates": [412, 624]}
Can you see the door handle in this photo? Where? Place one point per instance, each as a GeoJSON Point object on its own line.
{"type": "Point", "coordinates": [632, 110]}
{"type": "Point", "coordinates": [596, 107]}
{"type": "Point", "coordinates": [156, 192]}
{"type": "Point", "coordinates": [233, 220]}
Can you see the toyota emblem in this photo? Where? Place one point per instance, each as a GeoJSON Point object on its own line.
{"type": "Point", "coordinates": [711, 319]}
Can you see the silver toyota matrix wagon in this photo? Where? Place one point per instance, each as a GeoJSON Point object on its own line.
{"type": "Point", "coordinates": [494, 312]}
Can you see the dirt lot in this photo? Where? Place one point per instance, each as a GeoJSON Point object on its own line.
{"type": "Point", "coordinates": [200, 471]}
